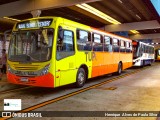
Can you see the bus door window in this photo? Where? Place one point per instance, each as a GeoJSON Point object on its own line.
{"type": "Point", "coordinates": [107, 44]}
{"type": "Point", "coordinates": [65, 46]}
{"type": "Point", "coordinates": [149, 50]}
{"type": "Point", "coordinates": [115, 45]}
{"type": "Point", "coordinates": [97, 42]}
{"type": "Point", "coordinates": [83, 41]}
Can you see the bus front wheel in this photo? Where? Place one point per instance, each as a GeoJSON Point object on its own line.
{"type": "Point", "coordinates": [81, 78]}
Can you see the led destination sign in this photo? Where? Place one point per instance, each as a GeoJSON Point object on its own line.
{"type": "Point", "coordinates": [34, 24]}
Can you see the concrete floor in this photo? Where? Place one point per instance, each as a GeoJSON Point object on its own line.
{"type": "Point", "coordinates": [136, 92]}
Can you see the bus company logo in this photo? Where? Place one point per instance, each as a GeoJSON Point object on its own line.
{"type": "Point", "coordinates": [12, 104]}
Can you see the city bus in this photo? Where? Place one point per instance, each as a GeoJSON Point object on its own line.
{"type": "Point", "coordinates": [157, 54]}
{"type": "Point", "coordinates": [143, 54]}
{"type": "Point", "coordinates": [54, 51]}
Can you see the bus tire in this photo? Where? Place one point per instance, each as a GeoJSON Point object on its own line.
{"type": "Point", "coordinates": [119, 71]}
{"type": "Point", "coordinates": [81, 78]}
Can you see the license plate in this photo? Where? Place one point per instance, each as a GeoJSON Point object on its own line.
{"type": "Point", "coordinates": [24, 79]}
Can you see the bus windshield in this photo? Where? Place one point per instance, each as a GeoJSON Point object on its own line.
{"type": "Point", "coordinates": [31, 45]}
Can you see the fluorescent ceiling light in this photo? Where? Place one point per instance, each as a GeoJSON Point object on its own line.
{"type": "Point", "coordinates": [134, 31]}
{"type": "Point", "coordinates": [120, 1]}
{"type": "Point", "coordinates": [12, 19]}
{"type": "Point", "coordinates": [138, 16]}
{"type": "Point", "coordinates": [100, 14]}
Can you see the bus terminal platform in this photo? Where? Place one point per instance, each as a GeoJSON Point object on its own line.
{"type": "Point", "coordinates": [137, 92]}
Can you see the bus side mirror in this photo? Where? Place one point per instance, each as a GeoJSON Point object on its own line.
{"type": "Point", "coordinates": [60, 33]}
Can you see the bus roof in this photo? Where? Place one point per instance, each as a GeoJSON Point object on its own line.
{"type": "Point", "coordinates": [81, 26]}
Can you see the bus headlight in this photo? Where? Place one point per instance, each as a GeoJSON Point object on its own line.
{"type": "Point", "coordinates": [45, 70]}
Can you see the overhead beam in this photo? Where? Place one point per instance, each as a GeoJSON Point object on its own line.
{"type": "Point", "coordinates": [145, 36]}
{"type": "Point", "coordinates": [25, 6]}
{"type": "Point", "coordinates": [133, 26]}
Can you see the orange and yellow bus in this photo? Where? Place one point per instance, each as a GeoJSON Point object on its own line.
{"type": "Point", "coordinates": [53, 51]}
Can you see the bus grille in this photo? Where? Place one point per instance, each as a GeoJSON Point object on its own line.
{"type": "Point", "coordinates": [26, 67]}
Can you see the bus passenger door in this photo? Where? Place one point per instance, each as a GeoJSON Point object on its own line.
{"type": "Point", "coordinates": [65, 59]}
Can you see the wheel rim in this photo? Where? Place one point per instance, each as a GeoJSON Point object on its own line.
{"type": "Point", "coordinates": [81, 78]}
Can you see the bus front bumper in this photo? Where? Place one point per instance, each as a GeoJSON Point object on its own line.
{"type": "Point", "coordinates": [41, 81]}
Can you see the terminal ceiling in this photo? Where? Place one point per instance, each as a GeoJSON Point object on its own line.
{"type": "Point", "coordinates": [124, 11]}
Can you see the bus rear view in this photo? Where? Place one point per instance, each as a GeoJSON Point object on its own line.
{"type": "Point", "coordinates": [143, 54]}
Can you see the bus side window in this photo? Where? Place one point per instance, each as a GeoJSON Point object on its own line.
{"type": "Point", "coordinates": [149, 49]}
{"type": "Point", "coordinates": [83, 40]}
{"type": "Point", "coordinates": [141, 49]}
{"type": "Point", "coordinates": [152, 50]}
{"type": "Point", "coordinates": [131, 48]}
{"type": "Point", "coordinates": [97, 42]}
{"type": "Point", "coordinates": [122, 46]}
{"type": "Point", "coordinates": [115, 45]}
{"type": "Point", "coordinates": [65, 47]}
{"type": "Point", "coordinates": [128, 47]}
{"type": "Point", "coordinates": [145, 49]}
{"type": "Point", "coordinates": [107, 44]}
